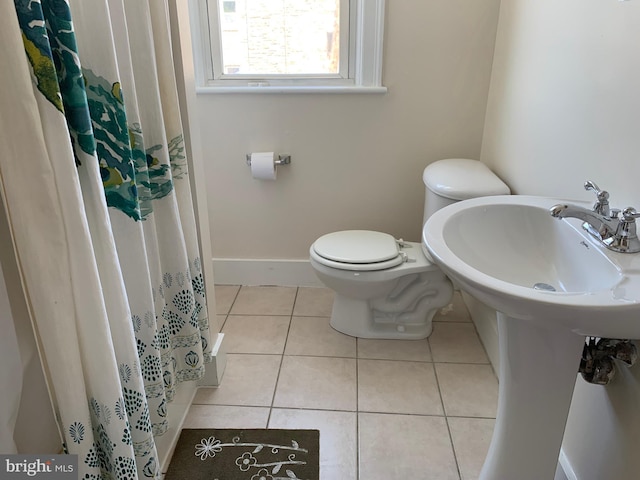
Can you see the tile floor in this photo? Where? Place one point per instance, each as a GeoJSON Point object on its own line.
{"type": "Point", "coordinates": [386, 410]}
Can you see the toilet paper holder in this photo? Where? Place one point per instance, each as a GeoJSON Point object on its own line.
{"type": "Point", "coordinates": [283, 159]}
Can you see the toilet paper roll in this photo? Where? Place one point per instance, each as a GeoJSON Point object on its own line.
{"type": "Point", "coordinates": [263, 166]}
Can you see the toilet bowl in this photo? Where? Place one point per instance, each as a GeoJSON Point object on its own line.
{"type": "Point", "coordinates": [388, 288]}
{"type": "Point", "coordinates": [384, 288]}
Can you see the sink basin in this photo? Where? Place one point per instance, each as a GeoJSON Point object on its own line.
{"type": "Point", "coordinates": [552, 284]}
{"type": "Point", "coordinates": [508, 250]}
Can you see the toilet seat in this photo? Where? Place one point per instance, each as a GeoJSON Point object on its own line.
{"type": "Point", "coordinates": [357, 250]}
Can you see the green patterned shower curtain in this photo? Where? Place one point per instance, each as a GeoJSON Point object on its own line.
{"type": "Point", "coordinates": [95, 182]}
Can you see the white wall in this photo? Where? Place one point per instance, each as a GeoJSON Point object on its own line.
{"type": "Point", "coordinates": [564, 107]}
{"type": "Point", "coordinates": [565, 98]}
{"type": "Point", "coordinates": [357, 160]}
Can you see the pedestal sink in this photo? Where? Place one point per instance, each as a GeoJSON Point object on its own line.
{"type": "Point", "coordinates": [552, 284]}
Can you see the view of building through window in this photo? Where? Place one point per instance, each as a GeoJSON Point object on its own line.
{"type": "Point", "coordinates": [280, 36]}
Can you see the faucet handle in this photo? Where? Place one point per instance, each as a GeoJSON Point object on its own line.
{"type": "Point", "coordinates": [629, 214]}
{"type": "Point", "coordinates": [602, 204]}
{"type": "Point", "coordinates": [626, 239]}
{"type": "Point", "coordinates": [602, 194]}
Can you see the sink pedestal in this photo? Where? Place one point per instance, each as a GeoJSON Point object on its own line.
{"type": "Point", "coordinates": [538, 369]}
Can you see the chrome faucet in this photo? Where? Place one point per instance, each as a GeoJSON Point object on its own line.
{"type": "Point", "coordinates": [614, 229]}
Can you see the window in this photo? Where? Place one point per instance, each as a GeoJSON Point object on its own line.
{"type": "Point", "coordinates": [229, 7]}
{"type": "Point", "coordinates": [289, 45]}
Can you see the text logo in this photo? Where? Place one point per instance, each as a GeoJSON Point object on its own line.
{"type": "Point", "coordinates": [40, 467]}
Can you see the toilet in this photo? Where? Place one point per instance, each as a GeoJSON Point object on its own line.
{"type": "Point", "coordinates": [388, 288]}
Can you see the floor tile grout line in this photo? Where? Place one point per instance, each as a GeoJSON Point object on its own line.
{"type": "Point", "coordinates": [453, 322]}
{"type": "Point", "coordinates": [226, 315]}
{"type": "Point", "coordinates": [395, 360]}
{"type": "Point", "coordinates": [357, 414]}
{"type": "Point", "coordinates": [358, 358]}
{"type": "Point", "coordinates": [275, 388]}
{"type": "Point", "coordinates": [265, 315]}
{"type": "Point", "coordinates": [446, 421]}
{"type": "Point", "coordinates": [235, 298]}
{"type": "Point", "coordinates": [284, 348]}
{"type": "Point", "coordinates": [318, 409]}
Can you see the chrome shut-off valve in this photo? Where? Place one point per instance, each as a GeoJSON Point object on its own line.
{"type": "Point", "coordinates": [597, 364]}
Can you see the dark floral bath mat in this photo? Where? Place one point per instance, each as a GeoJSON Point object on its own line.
{"type": "Point", "coordinates": [251, 454]}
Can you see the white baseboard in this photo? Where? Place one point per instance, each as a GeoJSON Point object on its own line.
{"type": "Point", "coordinates": [178, 408]}
{"type": "Point", "coordinates": [177, 411]}
{"type": "Point", "coordinates": [241, 271]}
{"type": "Point", "coordinates": [215, 370]}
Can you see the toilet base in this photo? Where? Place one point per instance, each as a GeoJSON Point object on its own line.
{"type": "Point", "coordinates": [405, 313]}
{"type": "Point", "coordinates": [353, 317]}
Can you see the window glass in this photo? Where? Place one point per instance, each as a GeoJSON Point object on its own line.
{"type": "Point", "coordinates": [283, 37]}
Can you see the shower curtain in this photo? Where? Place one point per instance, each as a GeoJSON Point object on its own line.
{"type": "Point", "coordinates": [11, 374]}
{"type": "Point", "coordinates": [94, 177]}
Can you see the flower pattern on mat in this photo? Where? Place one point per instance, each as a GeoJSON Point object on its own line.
{"type": "Point", "coordinates": [246, 461]}
{"type": "Point", "coordinates": [208, 447]}
{"type": "Point", "coordinates": [263, 474]}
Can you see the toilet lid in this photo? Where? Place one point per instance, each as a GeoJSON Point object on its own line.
{"type": "Point", "coordinates": [358, 247]}
{"type": "Point", "coordinates": [462, 178]}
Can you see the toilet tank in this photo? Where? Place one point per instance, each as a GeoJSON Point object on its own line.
{"type": "Point", "coordinates": [454, 179]}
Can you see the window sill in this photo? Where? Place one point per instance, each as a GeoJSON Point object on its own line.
{"type": "Point", "coordinates": [290, 89]}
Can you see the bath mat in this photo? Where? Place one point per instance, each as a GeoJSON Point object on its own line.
{"type": "Point", "coordinates": [249, 454]}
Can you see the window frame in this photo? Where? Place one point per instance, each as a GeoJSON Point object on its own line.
{"type": "Point", "coordinates": [361, 72]}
